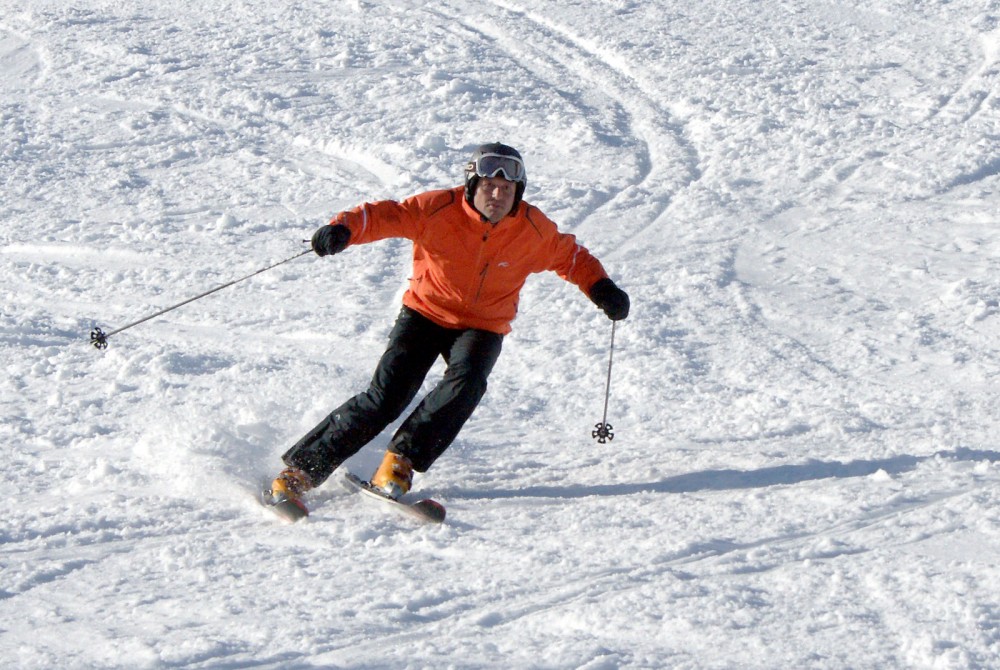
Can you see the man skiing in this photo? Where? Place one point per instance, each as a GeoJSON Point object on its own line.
{"type": "Point", "coordinates": [473, 248]}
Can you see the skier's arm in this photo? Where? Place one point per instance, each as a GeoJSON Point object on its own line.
{"type": "Point", "coordinates": [381, 220]}
{"type": "Point", "coordinates": [560, 253]}
{"type": "Point", "coordinates": [574, 263]}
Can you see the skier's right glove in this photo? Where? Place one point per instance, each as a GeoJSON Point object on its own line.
{"type": "Point", "coordinates": [610, 298]}
{"type": "Point", "coordinates": [331, 239]}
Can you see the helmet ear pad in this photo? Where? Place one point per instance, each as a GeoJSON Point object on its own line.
{"type": "Point", "coordinates": [518, 194]}
{"type": "Point", "coordinates": [472, 183]}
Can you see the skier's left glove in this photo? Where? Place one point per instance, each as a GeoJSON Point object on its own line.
{"type": "Point", "coordinates": [610, 298]}
{"type": "Point", "coordinates": [331, 239]}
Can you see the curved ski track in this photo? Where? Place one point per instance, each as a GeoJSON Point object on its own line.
{"type": "Point", "coordinates": [556, 55]}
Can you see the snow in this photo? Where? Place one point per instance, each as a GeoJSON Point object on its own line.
{"type": "Point", "coordinates": [802, 199]}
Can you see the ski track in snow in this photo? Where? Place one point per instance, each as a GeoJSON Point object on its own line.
{"type": "Point", "coordinates": [801, 199]}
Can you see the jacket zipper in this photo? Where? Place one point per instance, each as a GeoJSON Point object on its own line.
{"type": "Point", "coordinates": [482, 281]}
{"type": "Point", "coordinates": [484, 271]}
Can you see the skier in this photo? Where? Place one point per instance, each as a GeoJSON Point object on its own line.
{"type": "Point", "coordinates": [473, 248]}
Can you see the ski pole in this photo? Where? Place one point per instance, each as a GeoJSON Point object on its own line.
{"type": "Point", "coordinates": [100, 339]}
{"type": "Point", "coordinates": [603, 432]}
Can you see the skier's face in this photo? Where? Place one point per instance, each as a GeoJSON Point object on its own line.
{"type": "Point", "coordinates": [494, 197]}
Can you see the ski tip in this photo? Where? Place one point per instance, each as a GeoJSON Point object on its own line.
{"type": "Point", "coordinates": [432, 510]}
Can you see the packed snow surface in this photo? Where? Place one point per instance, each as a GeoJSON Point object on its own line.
{"type": "Point", "coordinates": [801, 197]}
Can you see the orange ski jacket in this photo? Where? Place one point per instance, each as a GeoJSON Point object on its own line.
{"type": "Point", "coordinates": [467, 272]}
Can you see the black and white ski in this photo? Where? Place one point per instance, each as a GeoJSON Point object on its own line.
{"type": "Point", "coordinates": [286, 508]}
{"type": "Point", "coordinates": [426, 510]}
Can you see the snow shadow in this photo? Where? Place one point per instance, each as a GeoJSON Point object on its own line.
{"type": "Point", "coordinates": [728, 480]}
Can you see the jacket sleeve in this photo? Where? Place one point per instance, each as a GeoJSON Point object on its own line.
{"type": "Point", "coordinates": [381, 220]}
{"type": "Point", "coordinates": [566, 257]}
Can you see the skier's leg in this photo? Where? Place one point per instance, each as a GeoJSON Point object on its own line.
{"type": "Point", "coordinates": [434, 424]}
{"type": "Point", "coordinates": [412, 351]}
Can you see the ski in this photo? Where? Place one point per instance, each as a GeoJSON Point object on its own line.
{"type": "Point", "coordinates": [283, 506]}
{"type": "Point", "coordinates": [426, 510]}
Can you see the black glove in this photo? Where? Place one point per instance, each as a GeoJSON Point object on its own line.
{"type": "Point", "coordinates": [610, 298]}
{"type": "Point", "coordinates": [331, 239]}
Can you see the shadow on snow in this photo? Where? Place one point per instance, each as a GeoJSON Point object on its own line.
{"type": "Point", "coordinates": [727, 480]}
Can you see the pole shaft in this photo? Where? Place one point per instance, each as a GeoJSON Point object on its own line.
{"type": "Point", "coordinates": [105, 336]}
{"type": "Point", "coordinates": [611, 359]}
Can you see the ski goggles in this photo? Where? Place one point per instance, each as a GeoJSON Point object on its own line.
{"type": "Point", "coordinates": [490, 165]}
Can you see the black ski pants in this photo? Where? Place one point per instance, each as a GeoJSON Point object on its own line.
{"type": "Point", "coordinates": [414, 344]}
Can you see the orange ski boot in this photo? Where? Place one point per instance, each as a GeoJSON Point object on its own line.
{"type": "Point", "coordinates": [395, 476]}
